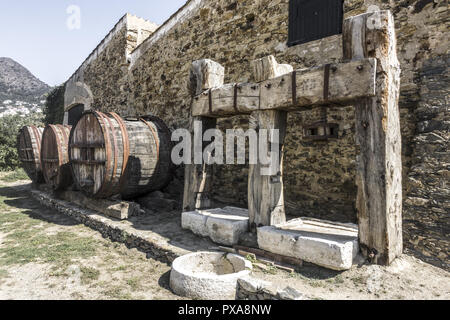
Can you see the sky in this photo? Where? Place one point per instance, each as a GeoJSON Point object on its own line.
{"type": "Point", "coordinates": [40, 34]}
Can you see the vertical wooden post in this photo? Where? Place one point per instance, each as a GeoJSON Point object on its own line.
{"type": "Point", "coordinates": [205, 74]}
{"type": "Point", "coordinates": [378, 136]}
{"type": "Point", "coordinates": [266, 192]}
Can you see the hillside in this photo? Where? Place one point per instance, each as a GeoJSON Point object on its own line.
{"type": "Point", "coordinates": [20, 90]}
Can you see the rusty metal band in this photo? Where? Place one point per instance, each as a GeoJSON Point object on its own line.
{"type": "Point", "coordinates": [235, 97]}
{"type": "Point", "coordinates": [294, 87]}
{"type": "Point", "coordinates": [116, 153]}
{"type": "Point", "coordinates": [100, 117]}
{"type": "Point", "coordinates": [326, 82]}
{"type": "Point", "coordinates": [125, 143]}
{"type": "Point", "coordinates": [155, 136]}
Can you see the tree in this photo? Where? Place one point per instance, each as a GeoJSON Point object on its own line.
{"type": "Point", "coordinates": [9, 129]}
{"type": "Point", "coordinates": [54, 106]}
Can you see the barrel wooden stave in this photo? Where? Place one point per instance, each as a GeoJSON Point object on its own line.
{"type": "Point", "coordinates": [29, 150]}
{"type": "Point", "coordinates": [55, 156]}
{"type": "Point", "coordinates": [149, 166]}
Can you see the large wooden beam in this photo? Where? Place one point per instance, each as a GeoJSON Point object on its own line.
{"type": "Point", "coordinates": [379, 165]}
{"type": "Point", "coordinates": [204, 75]}
{"type": "Point", "coordinates": [265, 187]}
{"type": "Point", "coordinates": [266, 191]}
{"type": "Point", "coordinates": [341, 83]}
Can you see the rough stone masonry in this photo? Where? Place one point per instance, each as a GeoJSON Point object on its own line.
{"type": "Point", "coordinates": [141, 69]}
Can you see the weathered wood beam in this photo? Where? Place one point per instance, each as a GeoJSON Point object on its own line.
{"type": "Point", "coordinates": [268, 68]}
{"type": "Point", "coordinates": [265, 187]}
{"type": "Point", "coordinates": [204, 75]}
{"type": "Point", "coordinates": [266, 192]}
{"type": "Point", "coordinates": [341, 83]}
{"type": "Point", "coordinates": [379, 165]}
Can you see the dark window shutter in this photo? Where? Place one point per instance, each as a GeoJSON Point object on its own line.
{"type": "Point", "coordinates": [314, 19]}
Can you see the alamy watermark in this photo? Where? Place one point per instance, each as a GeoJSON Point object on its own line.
{"type": "Point", "coordinates": [73, 21]}
{"type": "Point", "coordinates": [208, 147]}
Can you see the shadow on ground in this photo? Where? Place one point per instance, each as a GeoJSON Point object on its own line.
{"type": "Point", "coordinates": [19, 198]}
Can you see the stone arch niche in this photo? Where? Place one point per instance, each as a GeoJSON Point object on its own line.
{"type": "Point", "coordinates": [78, 96]}
{"type": "Point", "coordinates": [369, 80]}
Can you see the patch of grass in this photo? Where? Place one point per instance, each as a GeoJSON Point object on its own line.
{"type": "Point", "coordinates": [120, 268]}
{"type": "Point", "coordinates": [3, 274]}
{"type": "Point", "coordinates": [134, 284]}
{"type": "Point", "coordinates": [336, 280]}
{"type": "Point", "coordinates": [17, 175]}
{"type": "Point", "coordinates": [359, 280]}
{"type": "Point", "coordinates": [271, 270]}
{"type": "Point", "coordinates": [117, 293]}
{"type": "Point", "coordinates": [316, 284]}
{"type": "Point", "coordinates": [32, 245]}
{"type": "Point", "coordinates": [251, 258]}
{"type": "Point", "coordinates": [89, 274]}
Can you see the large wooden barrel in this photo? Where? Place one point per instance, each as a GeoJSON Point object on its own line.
{"type": "Point", "coordinates": [29, 150]}
{"type": "Point", "coordinates": [55, 156]}
{"type": "Point", "coordinates": [110, 155]}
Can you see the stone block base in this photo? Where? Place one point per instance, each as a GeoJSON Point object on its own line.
{"type": "Point", "coordinates": [327, 244]}
{"type": "Point", "coordinates": [222, 226]}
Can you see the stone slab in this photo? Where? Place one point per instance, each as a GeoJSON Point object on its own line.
{"type": "Point", "coordinates": [222, 226]}
{"type": "Point", "coordinates": [327, 244]}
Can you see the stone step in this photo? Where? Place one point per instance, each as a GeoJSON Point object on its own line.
{"type": "Point", "coordinates": [324, 243]}
{"type": "Point", "coordinates": [222, 226]}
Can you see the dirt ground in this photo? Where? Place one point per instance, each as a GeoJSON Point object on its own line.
{"type": "Point", "coordinates": [45, 255]}
{"type": "Point", "coordinates": [406, 279]}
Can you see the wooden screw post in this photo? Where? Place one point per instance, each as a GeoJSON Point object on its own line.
{"type": "Point", "coordinates": [266, 192]}
{"type": "Point", "coordinates": [379, 165]}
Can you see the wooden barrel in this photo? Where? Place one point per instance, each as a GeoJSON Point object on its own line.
{"type": "Point", "coordinates": [110, 155]}
{"type": "Point", "coordinates": [55, 156]}
{"type": "Point", "coordinates": [29, 150]}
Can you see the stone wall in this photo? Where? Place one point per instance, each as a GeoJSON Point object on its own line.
{"type": "Point", "coordinates": [319, 176]}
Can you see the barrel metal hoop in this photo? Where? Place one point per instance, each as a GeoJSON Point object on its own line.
{"type": "Point", "coordinates": [125, 143]}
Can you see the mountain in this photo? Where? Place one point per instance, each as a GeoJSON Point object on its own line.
{"type": "Point", "coordinates": [20, 90]}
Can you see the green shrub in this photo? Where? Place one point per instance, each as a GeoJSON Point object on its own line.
{"type": "Point", "coordinates": [54, 106]}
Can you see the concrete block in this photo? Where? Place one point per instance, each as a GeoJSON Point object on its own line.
{"type": "Point", "coordinates": [223, 226]}
{"type": "Point", "coordinates": [327, 244]}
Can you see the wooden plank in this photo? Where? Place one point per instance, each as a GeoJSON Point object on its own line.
{"type": "Point", "coordinates": [379, 165]}
{"type": "Point", "coordinates": [266, 192]}
{"type": "Point", "coordinates": [341, 84]}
